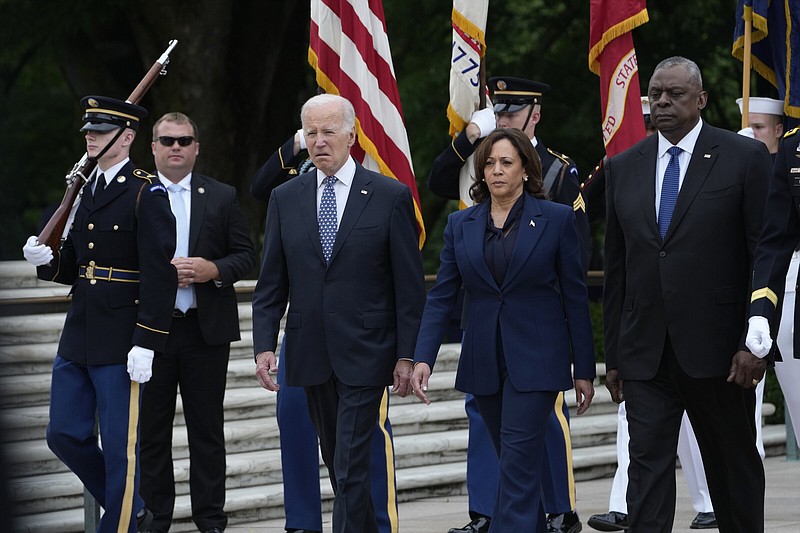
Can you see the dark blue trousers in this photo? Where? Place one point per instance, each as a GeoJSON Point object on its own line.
{"type": "Point", "coordinates": [300, 463]}
{"type": "Point", "coordinates": [111, 474]}
{"type": "Point", "coordinates": [558, 482]}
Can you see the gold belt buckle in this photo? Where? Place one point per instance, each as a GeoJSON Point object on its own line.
{"type": "Point", "coordinates": [90, 272]}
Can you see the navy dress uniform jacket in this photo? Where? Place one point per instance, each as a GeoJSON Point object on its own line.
{"type": "Point", "coordinates": [130, 227]}
{"type": "Point", "coordinates": [780, 235]}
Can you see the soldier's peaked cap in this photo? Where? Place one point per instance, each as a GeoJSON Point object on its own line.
{"type": "Point", "coordinates": [102, 114]}
{"type": "Point", "coordinates": [511, 94]}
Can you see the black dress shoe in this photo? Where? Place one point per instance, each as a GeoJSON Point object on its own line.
{"type": "Point", "coordinates": [143, 519]}
{"type": "Point", "coordinates": [704, 521]}
{"type": "Point", "coordinates": [214, 530]}
{"type": "Point", "coordinates": [564, 523]}
{"type": "Point", "coordinates": [479, 525]}
{"type": "Point", "coordinates": [611, 521]}
{"type": "Point", "coordinates": [302, 531]}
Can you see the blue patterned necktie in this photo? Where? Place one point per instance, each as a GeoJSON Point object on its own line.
{"type": "Point", "coordinates": [327, 217]}
{"type": "Point", "coordinates": [184, 297]}
{"type": "Point", "coordinates": [669, 191]}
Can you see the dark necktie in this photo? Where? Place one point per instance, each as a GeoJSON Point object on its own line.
{"type": "Point", "coordinates": [99, 186]}
{"type": "Point", "coordinates": [669, 191]}
{"type": "Point", "coordinates": [327, 217]}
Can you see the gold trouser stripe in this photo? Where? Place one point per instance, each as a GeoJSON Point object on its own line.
{"type": "Point", "coordinates": [126, 513]}
{"type": "Point", "coordinates": [391, 488]}
{"type": "Point", "coordinates": [767, 293]}
{"type": "Point", "coordinates": [559, 410]}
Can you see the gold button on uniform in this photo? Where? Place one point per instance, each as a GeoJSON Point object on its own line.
{"type": "Point", "coordinates": [92, 281]}
{"type": "Point", "coordinates": [90, 226]}
{"type": "Point", "coordinates": [91, 245]}
{"type": "Point", "coordinates": [116, 227]}
{"type": "Point", "coordinates": [92, 263]}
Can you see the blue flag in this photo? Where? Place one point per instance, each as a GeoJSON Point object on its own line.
{"type": "Point", "coordinates": [775, 52]}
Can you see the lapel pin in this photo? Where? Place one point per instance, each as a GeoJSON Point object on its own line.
{"type": "Point", "coordinates": [120, 179]}
{"type": "Point", "coordinates": [533, 224]}
{"type": "Point", "coordinates": [707, 156]}
{"type": "Point", "coordinates": [363, 191]}
{"type": "Point", "coordinates": [201, 190]}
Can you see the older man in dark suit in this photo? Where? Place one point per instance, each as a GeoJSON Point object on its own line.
{"type": "Point", "coordinates": [214, 251]}
{"type": "Point", "coordinates": [684, 211]}
{"type": "Point", "coordinates": [343, 241]}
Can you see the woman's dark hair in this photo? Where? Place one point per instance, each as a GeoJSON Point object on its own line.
{"type": "Point", "coordinates": [531, 164]}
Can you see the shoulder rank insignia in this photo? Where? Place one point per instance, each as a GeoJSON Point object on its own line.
{"type": "Point", "coordinates": [792, 132]}
{"type": "Point", "coordinates": [561, 156]}
{"type": "Point", "coordinates": [144, 175]}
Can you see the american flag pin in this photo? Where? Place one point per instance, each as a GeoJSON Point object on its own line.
{"type": "Point", "coordinates": [533, 224]}
{"type": "Point", "coordinates": [363, 191]}
{"type": "Point", "coordinates": [707, 156]}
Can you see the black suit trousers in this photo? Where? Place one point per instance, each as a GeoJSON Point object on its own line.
{"type": "Point", "coordinates": [723, 418]}
{"type": "Point", "coordinates": [344, 417]}
{"type": "Point", "coordinates": [200, 371]}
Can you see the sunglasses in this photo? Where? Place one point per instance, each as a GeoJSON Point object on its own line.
{"type": "Point", "coordinates": [166, 140]}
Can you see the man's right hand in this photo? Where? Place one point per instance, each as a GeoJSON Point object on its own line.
{"type": "Point", "coordinates": [614, 386]}
{"type": "Point", "coordinates": [35, 253]}
{"type": "Point", "coordinates": [266, 366]}
{"type": "Point", "coordinates": [758, 340]}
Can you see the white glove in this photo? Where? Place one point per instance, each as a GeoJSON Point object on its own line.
{"type": "Point", "coordinates": [747, 132]}
{"type": "Point", "coordinates": [140, 364]}
{"type": "Point", "coordinates": [35, 253]}
{"type": "Point", "coordinates": [484, 119]}
{"type": "Point", "coordinates": [302, 139]}
{"type": "Point", "coordinates": [758, 340]}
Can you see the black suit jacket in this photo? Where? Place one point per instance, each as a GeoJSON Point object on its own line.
{"type": "Point", "coordinates": [355, 317]}
{"type": "Point", "coordinates": [695, 285]}
{"type": "Point", "coordinates": [218, 232]}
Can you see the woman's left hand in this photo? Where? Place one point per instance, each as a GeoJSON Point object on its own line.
{"type": "Point", "coordinates": [584, 392]}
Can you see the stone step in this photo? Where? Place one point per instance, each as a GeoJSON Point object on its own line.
{"type": "Point", "coordinates": [245, 504]}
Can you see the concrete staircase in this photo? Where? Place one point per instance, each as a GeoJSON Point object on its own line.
{"type": "Point", "coordinates": [430, 441]}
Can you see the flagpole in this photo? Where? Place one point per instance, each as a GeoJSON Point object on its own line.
{"type": "Point", "coordinates": [482, 87]}
{"type": "Point", "coordinates": [748, 37]}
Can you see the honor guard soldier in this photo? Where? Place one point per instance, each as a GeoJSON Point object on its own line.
{"type": "Point", "coordinates": [517, 104]}
{"type": "Point", "coordinates": [117, 258]}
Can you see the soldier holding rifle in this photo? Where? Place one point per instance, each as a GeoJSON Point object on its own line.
{"type": "Point", "coordinates": [117, 258]}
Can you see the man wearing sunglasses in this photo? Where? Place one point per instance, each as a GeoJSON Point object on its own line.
{"type": "Point", "coordinates": [213, 251]}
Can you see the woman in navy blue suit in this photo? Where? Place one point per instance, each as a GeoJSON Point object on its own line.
{"type": "Point", "coordinates": [518, 258]}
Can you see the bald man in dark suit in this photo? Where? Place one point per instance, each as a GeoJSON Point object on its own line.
{"type": "Point", "coordinates": [684, 211]}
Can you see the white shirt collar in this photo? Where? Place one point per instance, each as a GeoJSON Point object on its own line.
{"type": "Point", "coordinates": [686, 144]}
{"type": "Point", "coordinates": [111, 172]}
{"type": "Point", "coordinates": [344, 174]}
{"type": "Point", "coordinates": [185, 183]}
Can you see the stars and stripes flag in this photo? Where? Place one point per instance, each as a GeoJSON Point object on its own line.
{"type": "Point", "coordinates": [468, 49]}
{"type": "Point", "coordinates": [775, 52]}
{"type": "Point", "coordinates": [349, 50]}
{"type": "Point", "coordinates": [613, 58]}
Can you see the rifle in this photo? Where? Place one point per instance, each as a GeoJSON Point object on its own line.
{"type": "Point", "coordinates": [83, 169]}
